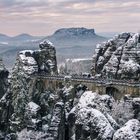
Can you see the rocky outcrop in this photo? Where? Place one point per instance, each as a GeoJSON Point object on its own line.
{"type": "Point", "coordinates": [4, 106]}
{"type": "Point", "coordinates": [101, 117]}
{"type": "Point", "coordinates": [46, 117]}
{"type": "Point", "coordinates": [118, 57]}
{"type": "Point", "coordinates": [72, 114]}
{"type": "Point", "coordinates": [46, 58]}
{"type": "Point", "coordinates": [90, 118]}
{"type": "Point", "coordinates": [3, 79]}
{"type": "Point", "coordinates": [43, 60]}
{"type": "Point", "coordinates": [16, 101]}
{"type": "Point", "coordinates": [32, 107]}
{"type": "Point", "coordinates": [130, 131]}
{"type": "Point", "coordinates": [136, 108]}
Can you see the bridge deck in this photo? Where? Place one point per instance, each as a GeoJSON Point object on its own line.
{"type": "Point", "coordinates": [90, 80]}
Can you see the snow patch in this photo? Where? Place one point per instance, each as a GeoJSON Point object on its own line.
{"type": "Point", "coordinates": [33, 107]}
{"type": "Point", "coordinates": [46, 42]}
{"type": "Point", "coordinates": [78, 59]}
{"type": "Point", "coordinates": [28, 60]}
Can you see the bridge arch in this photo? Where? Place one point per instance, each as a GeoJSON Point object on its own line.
{"type": "Point", "coordinates": [114, 92]}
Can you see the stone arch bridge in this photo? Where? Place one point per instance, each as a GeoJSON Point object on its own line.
{"type": "Point", "coordinates": [116, 88]}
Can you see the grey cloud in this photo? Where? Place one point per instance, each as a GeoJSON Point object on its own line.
{"type": "Point", "coordinates": [6, 3]}
{"type": "Point", "coordinates": [101, 13]}
{"type": "Point", "coordinates": [59, 5]}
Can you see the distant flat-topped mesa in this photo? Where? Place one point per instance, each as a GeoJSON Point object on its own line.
{"type": "Point", "coordinates": [42, 60]}
{"type": "Point", "coordinates": [118, 57]}
{"type": "Point", "coordinates": [75, 31]}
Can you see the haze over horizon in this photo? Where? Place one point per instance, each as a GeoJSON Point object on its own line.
{"type": "Point", "coordinates": [43, 17]}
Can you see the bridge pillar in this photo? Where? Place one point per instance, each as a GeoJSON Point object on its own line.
{"type": "Point", "coordinates": [101, 89]}
{"type": "Point", "coordinates": [67, 81]}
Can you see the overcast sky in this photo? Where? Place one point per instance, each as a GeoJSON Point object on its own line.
{"type": "Point", "coordinates": [43, 17]}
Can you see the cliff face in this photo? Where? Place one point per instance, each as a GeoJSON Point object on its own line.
{"type": "Point", "coordinates": [3, 79]}
{"type": "Point", "coordinates": [118, 57]}
{"type": "Point", "coordinates": [4, 85]}
{"type": "Point", "coordinates": [46, 58]}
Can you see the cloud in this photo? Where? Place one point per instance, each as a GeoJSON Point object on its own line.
{"type": "Point", "coordinates": [104, 15]}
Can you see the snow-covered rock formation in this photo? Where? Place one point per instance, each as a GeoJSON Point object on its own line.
{"type": "Point", "coordinates": [3, 78]}
{"type": "Point", "coordinates": [4, 85]}
{"type": "Point", "coordinates": [27, 63]}
{"type": "Point", "coordinates": [38, 60]}
{"type": "Point", "coordinates": [91, 119]}
{"type": "Point", "coordinates": [73, 114]}
{"type": "Point", "coordinates": [31, 110]}
{"type": "Point", "coordinates": [130, 131]}
{"type": "Point", "coordinates": [17, 103]}
{"type": "Point", "coordinates": [100, 117]}
{"type": "Point", "coordinates": [118, 57]}
{"type": "Point", "coordinates": [46, 57]}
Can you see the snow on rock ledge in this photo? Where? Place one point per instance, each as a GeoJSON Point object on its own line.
{"type": "Point", "coordinates": [29, 63]}
{"type": "Point", "coordinates": [45, 44]}
{"type": "Point", "coordinates": [33, 107]}
{"type": "Point", "coordinates": [26, 57]}
{"type": "Point", "coordinates": [94, 100]}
